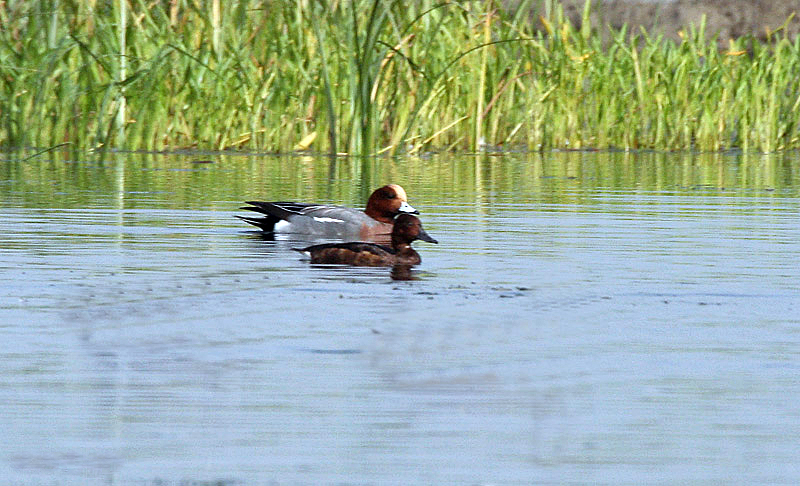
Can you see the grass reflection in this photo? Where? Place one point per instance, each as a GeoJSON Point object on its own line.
{"type": "Point", "coordinates": [131, 180]}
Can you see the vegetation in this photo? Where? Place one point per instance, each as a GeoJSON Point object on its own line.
{"type": "Point", "coordinates": [446, 184]}
{"type": "Point", "coordinates": [378, 76]}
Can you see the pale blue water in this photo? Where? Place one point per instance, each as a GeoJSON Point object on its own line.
{"type": "Point", "coordinates": [573, 326]}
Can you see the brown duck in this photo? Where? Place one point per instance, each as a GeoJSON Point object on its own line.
{"type": "Point", "coordinates": [407, 228]}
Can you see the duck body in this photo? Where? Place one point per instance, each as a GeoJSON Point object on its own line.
{"type": "Point", "coordinates": [361, 253]}
{"type": "Point", "coordinates": [407, 228]}
{"type": "Point", "coordinates": [328, 221]}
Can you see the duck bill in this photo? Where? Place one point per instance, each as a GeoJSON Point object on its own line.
{"type": "Point", "coordinates": [406, 208]}
{"type": "Point", "coordinates": [426, 237]}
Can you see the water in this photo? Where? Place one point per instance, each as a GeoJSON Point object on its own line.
{"type": "Point", "coordinates": [586, 318]}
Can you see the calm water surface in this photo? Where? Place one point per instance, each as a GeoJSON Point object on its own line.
{"type": "Point", "coordinates": [586, 318]}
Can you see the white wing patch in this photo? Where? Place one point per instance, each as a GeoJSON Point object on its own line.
{"type": "Point", "coordinates": [327, 220]}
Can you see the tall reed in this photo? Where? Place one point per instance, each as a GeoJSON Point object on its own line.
{"type": "Point", "coordinates": [378, 76]}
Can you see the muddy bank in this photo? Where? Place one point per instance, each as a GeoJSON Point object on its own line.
{"type": "Point", "coordinates": [726, 18]}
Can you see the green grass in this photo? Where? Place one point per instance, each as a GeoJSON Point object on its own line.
{"type": "Point", "coordinates": [372, 76]}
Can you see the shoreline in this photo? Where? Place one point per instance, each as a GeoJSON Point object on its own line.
{"type": "Point", "coordinates": [728, 19]}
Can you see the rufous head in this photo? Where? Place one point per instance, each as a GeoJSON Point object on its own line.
{"type": "Point", "coordinates": [387, 202]}
{"type": "Point", "coordinates": [408, 228]}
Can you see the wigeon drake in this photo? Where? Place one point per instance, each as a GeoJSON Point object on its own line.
{"type": "Point", "coordinates": [376, 221]}
{"type": "Point", "coordinates": [407, 228]}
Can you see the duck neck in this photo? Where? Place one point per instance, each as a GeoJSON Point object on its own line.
{"type": "Point", "coordinates": [381, 216]}
{"type": "Point", "coordinates": [402, 247]}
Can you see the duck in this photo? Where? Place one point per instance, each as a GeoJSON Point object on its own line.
{"type": "Point", "coordinates": [374, 223]}
{"type": "Point", "coordinates": [407, 228]}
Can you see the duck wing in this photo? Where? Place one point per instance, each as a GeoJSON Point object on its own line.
{"type": "Point", "coordinates": [354, 246]}
{"type": "Point", "coordinates": [318, 214]}
{"type": "Point", "coordinates": [273, 212]}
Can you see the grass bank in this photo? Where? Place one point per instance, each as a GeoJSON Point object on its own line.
{"type": "Point", "coordinates": [372, 76]}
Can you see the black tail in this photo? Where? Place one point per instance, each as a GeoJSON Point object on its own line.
{"type": "Point", "coordinates": [264, 224]}
{"type": "Point", "coordinates": [272, 211]}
